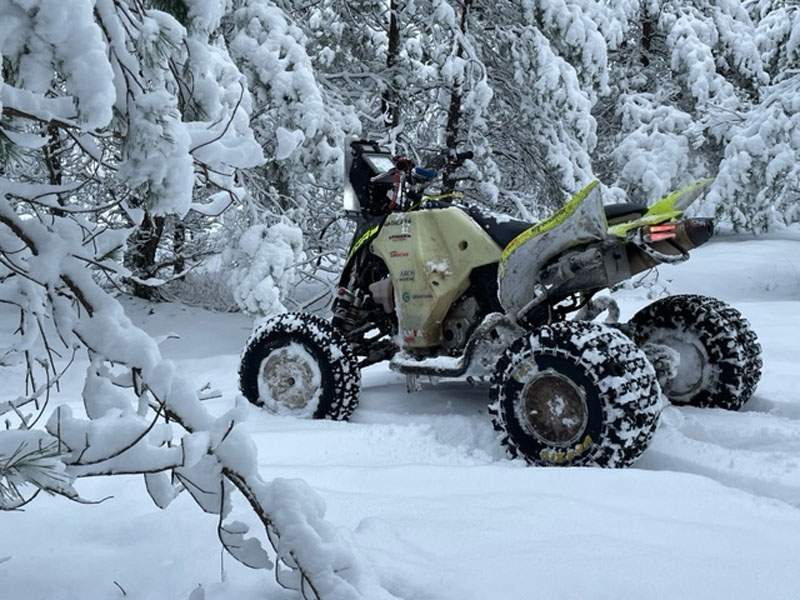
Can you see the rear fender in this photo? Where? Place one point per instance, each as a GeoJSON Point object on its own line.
{"type": "Point", "coordinates": [581, 221]}
{"type": "Point", "coordinates": [668, 208]}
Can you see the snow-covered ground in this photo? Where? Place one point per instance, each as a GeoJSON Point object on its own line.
{"type": "Point", "coordinates": [420, 486]}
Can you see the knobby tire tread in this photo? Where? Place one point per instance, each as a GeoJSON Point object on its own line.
{"type": "Point", "coordinates": [625, 382]}
{"type": "Point", "coordinates": [324, 341]}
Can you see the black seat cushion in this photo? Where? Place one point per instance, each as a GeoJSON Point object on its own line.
{"type": "Point", "coordinates": [503, 229]}
{"type": "Point", "coordinates": [615, 211]}
{"type": "Point", "coordinates": [499, 227]}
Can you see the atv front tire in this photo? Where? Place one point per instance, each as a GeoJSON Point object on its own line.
{"type": "Point", "coordinates": [575, 393]}
{"type": "Point", "coordinates": [720, 357]}
{"type": "Point", "coordinates": [299, 364]}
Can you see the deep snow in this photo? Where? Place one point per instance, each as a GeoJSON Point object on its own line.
{"type": "Point", "coordinates": [421, 487]}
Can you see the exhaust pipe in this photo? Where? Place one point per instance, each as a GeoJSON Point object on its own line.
{"type": "Point", "coordinates": [668, 243]}
{"type": "Point", "coordinates": [691, 233]}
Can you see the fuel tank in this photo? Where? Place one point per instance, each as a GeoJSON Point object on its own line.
{"type": "Point", "coordinates": [430, 255]}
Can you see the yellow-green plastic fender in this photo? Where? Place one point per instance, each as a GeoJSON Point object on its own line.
{"type": "Point", "coordinates": [668, 208]}
{"type": "Point", "coordinates": [363, 239]}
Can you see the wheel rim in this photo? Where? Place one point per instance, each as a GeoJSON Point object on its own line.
{"type": "Point", "coordinates": [554, 409]}
{"type": "Point", "coordinates": [289, 380]}
{"type": "Point", "coordinates": [691, 373]}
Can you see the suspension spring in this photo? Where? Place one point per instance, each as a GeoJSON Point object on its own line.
{"type": "Point", "coordinates": [347, 308]}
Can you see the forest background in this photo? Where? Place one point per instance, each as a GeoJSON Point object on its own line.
{"type": "Point", "coordinates": [192, 150]}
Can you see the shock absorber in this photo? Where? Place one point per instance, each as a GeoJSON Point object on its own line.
{"type": "Point", "coordinates": [347, 308]}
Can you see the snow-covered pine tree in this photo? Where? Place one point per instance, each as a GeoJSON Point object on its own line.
{"type": "Point", "coordinates": [208, 88]}
{"type": "Point", "coordinates": [758, 186]}
{"type": "Point", "coordinates": [301, 122]}
{"type": "Point", "coordinates": [546, 64]}
{"type": "Point", "coordinates": [413, 71]}
{"type": "Point", "coordinates": [698, 89]}
{"type": "Point", "coordinates": [647, 96]}
{"type": "Point", "coordinates": [156, 111]}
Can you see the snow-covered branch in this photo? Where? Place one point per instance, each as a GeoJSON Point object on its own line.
{"type": "Point", "coordinates": [119, 437]}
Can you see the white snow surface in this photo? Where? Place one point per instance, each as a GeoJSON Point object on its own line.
{"type": "Point", "coordinates": [420, 487]}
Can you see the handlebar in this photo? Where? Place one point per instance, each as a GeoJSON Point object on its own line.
{"type": "Point", "coordinates": [454, 159]}
{"type": "Point", "coordinates": [405, 165]}
{"type": "Point", "coordinates": [424, 173]}
{"type": "Point", "coordinates": [407, 180]}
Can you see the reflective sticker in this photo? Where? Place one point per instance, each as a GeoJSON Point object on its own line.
{"type": "Point", "coordinates": [519, 374]}
{"type": "Point", "coordinates": [361, 241]}
{"type": "Point", "coordinates": [623, 229]}
{"type": "Point", "coordinates": [558, 455]}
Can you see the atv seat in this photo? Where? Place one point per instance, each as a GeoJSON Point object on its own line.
{"type": "Point", "coordinates": [619, 213]}
{"type": "Point", "coordinates": [500, 228]}
{"type": "Point", "coordinates": [503, 229]}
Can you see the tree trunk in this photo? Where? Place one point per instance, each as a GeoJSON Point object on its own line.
{"type": "Point", "coordinates": [389, 108]}
{"type": "Point", "coordinates": [53, 151]}
{"type": "Point", "coordinates": [141, 255]}
{"type": "Point", "coordinates": [454, 110]}
{"type": "Point", "coordinates": [648, 30]}
{"type": "Point", "coordinates": [52, 155]}
{"type": "Point", "coordinates": [178, 246]}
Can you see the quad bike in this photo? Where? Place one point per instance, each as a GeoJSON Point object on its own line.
{"type": "Point", "coordinates": [442, 289]}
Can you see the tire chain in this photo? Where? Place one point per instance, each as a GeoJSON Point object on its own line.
{"type": "Point", "coordinates": [742, 360]}
{"type": "Point", "coordinates": [325, 335]}
{"type": "Point", "coordinates": [748, 341]}
{"type": "Point", "coordinates": [639, 374]}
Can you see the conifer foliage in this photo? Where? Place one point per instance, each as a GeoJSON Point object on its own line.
{"type": "Point", "coordinates": [141, 138]}
{"type": "Point", "coordinates": [113, 114]}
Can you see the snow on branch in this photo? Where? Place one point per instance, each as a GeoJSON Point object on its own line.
{"type": "Point", "coordinates": [66, 36]}
{"type": "Point", "coordinates": [31, 458]}
{"type": "Point", "coordinates": [143, 417]}
{"type": "Point", "coordinates": [761, 162]}
{"type": "Point", "coordinates": [112, 108]}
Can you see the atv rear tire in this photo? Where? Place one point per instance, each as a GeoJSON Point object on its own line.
{"type": "Point", "coordinates": [299, 364]}
{"type": "Point", "coordinates": [720, 355]}
{"type": "Point", "coordinates": [575, 393]}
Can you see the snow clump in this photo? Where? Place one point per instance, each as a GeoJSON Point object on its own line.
{"type": "Point", "coordinates": [265, 261]}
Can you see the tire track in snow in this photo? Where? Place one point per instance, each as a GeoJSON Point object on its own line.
{"type": "Point", "coordinates": [782, 408]}
{"type": "Point", "coordinates": [453, 413]}
{"type": "Point", "coordinates": [756, 452]}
